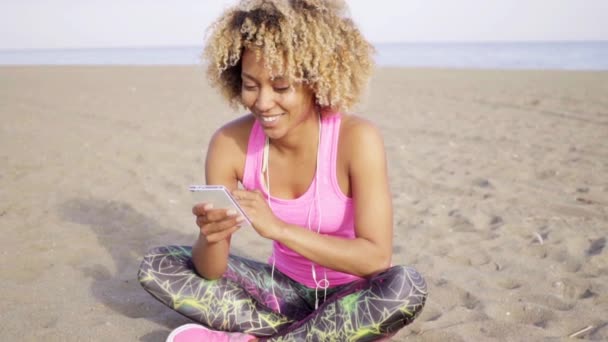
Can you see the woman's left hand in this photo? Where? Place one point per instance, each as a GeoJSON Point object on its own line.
{"type": "Point", "coordinates": [261, 216]}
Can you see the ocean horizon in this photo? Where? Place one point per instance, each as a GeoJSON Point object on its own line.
{"type": "Point", "coordinates": [583, 55]}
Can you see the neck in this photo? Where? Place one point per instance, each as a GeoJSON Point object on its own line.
{"type": "Point", "coordinates": [301, 140]}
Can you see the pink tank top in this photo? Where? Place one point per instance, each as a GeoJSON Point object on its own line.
{"type": "Point", "coordinates": [336, 209]}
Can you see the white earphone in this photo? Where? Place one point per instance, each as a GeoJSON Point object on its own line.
{"type": "Point", "coordinates": [319, 284]}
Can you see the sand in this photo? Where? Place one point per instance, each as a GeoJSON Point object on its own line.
{"type": "Point", "coordinates": [499, 181]}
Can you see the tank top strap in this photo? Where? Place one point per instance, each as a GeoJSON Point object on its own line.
{"type": "Point", "coordinates": [253, 159]}
{"type": "Point", "coordinates": [330, 132]}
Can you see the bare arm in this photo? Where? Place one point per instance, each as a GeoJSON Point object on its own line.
{"type": "Point", "coordinates": [371, 249]}
{"type": "Point", "coordinates": [210, 251]}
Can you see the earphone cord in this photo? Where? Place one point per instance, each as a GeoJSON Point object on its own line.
{"type": "Point", "coordinates": [319, 284]}
{"type": "Point", "coordinates": [266, 169]}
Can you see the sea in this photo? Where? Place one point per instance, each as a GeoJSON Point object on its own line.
{"type": "Point", "coordinates": [587, 55]}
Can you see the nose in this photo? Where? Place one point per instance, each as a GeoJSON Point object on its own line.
{"type": "Point", "coordinates": [264, 101]}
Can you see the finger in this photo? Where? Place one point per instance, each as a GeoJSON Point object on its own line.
{"type": "Point", "coordinates": [201, 208]}
{"type": "Point", "coordinates": [222, 235]}
{"type": "Point", "coordinates": [247, 196]}
{"type": "Point", "coordinates": [248, 203]}
{"type": "Point", "coordinates": [220, 214]}
{"type": "Point", "coordinates": [239, 194]}
{"type": "Point", "coordinates": [219, 226]}
{"type": "Point", "coordinates": [202, 220]}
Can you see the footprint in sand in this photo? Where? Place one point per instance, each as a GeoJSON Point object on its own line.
{"type": "Point", "coordinates": [508, 283]}
{"type": "Point", "coordinates": [451, 296]}
{"type": "Point", "coordinates": [495, 222]}
{"type": "Point", "coordinates": [574, 289]}
{"type": "Point", "coordinates": [564, 260]}
{"type": "Point", "coordinates": [431, 313]}
{"type": "Point", "coordinates": [459, 223]}
{"type": "Point", "coordinates": [519, 312]}
{"type": "Point", "coordinates": [547, 301]}
{"type": "Point", "coordinates": [596, 246]}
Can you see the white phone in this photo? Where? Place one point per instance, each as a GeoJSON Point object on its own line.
{"type": "Point", "coordinates": [220, 197]}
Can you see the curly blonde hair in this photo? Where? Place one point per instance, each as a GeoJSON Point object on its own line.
{"type": "Point", "coordinates": [308, 41]}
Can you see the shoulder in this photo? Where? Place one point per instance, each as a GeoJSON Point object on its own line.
{"type": "Point", "coordinates": [354, 125]}
{"type": "Point", "coordinates": [358, 134]}
{"type": "Point", "coordinates": [233, 135]}
{"type": "Point", "coordinates": [226, 152]}
{"type": "Point", "coordinates": [361, 146]}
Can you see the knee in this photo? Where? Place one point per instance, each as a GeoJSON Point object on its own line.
{"type": "Point", "coordinates": [155, 251]}
{"type": "Point", "coordinates": [163, 260]}
{"type": "Point", "coordinates": [409, 278]}
{"type": "Point", "coordinates": [146, 268]}
{"type": "Point", "coordinates": [404, 284]}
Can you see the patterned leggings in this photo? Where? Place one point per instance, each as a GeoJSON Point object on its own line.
{"type": "Point", "coordinates": [242, 300]}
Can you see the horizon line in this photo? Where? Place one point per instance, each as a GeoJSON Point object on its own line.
{"type": "Point", "coordinates": [165, 46]}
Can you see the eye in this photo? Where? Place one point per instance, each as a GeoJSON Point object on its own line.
{"type": "Point", "coordinates": [249, 86]}
{"type": "Point", "coordinates": [282, 89]}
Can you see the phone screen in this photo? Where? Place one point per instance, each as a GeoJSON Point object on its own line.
{"type": "Point", "coordinates": [220, 197]}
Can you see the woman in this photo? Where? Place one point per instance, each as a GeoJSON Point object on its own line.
{"type": "Point", "coordinates": [314, 181]}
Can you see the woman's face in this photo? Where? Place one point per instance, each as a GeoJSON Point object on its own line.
{"type": "Point", "coordinates": [276, 103]}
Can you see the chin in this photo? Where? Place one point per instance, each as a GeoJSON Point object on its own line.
{"type": "Point", "coordinates": [274, 133]}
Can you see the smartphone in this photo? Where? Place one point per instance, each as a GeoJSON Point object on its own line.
{"type": "Point", "coordinates": [220, 197]}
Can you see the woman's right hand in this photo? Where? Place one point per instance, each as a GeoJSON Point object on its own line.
{"type": "Point", "coordinates": [216, 224]}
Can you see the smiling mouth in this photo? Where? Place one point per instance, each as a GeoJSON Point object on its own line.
{"type": "Point", "coordinates": [270, 118]}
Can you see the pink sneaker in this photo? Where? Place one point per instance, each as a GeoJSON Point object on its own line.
{"type": "Point", "coordinates": [198, 333]}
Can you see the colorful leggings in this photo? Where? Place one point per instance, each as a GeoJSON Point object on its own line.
{"type": "Point", "coordinates": [242, 300]}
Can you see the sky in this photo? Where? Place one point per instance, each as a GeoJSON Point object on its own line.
{"type": "Point", "coordinates": [55, 24]}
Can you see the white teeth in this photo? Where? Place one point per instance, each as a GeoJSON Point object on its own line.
{"type": "Point", "coordinates": [270, 118]}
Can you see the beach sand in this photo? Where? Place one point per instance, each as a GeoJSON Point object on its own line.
{"type": "Point", "coordinates": [499, 182]}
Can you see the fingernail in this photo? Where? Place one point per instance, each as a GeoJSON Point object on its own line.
{"type": "Point", "coordinates": [208, 206]}
{"type": "Point", "coordinates": [240, 219]}
{"type": "Point", "coordinates": [230, 212]}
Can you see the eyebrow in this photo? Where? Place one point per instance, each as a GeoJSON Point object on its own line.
{"type": "Point", "coordinates": [276, 79]}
